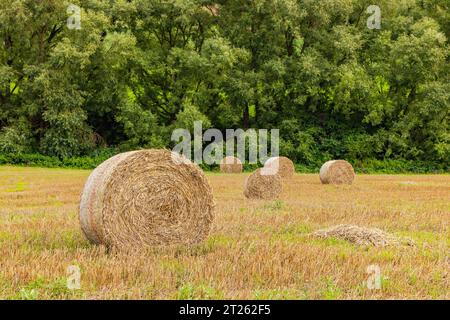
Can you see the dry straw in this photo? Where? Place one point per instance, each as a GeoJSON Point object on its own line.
{"type": "Point", "coordinates": [285, 166]}
{"type": "Point", "coordinates": [262, 185]}
{"type": "Point", "coordinates": [361, 236]}
{"type": "Point", "coordinates": [231, 164]}
{"type": "Point", "coordinates": [337, 172]}
{"type": "Point", "coordinates": [147, 197]}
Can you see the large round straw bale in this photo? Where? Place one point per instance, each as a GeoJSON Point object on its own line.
{"type": "Point", "coordinates": [283, 165]}
{"type": "Point", "coordinates": [147, 197]}
{"type": "Point", "coordinates": [262, 186]}
{"type": "Point", "coordinates": [231, 164]}
{"type": "Point", "coordinates": [337, 172]}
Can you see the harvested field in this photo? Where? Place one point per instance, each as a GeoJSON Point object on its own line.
{"type": "Point", "coordinates": [256, 249]}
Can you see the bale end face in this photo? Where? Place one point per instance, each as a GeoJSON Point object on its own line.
{"type": "Point", "coordinates": [231, 164]}
{"type": "Point", "coordinates": [337, 172]}
{"type": "Point", "coordinates": [281, 165]}
{"type": "Point", "coordinates": [263, 185]}
{"type": "Point", "coordinates": [146, 198]}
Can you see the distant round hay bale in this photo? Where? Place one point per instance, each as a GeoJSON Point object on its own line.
{"type": "Point", "coordinates": [231, 164]}
{"type": "Point", "coordinates": [361, 236]}
{"type": "Point", "coordinates": [263, 186]}
{"type": "Point", "coordinates": [337, 172]}
{"type": "Point", "coordinates": [284, 165]}
{"type": "Point", "coordinates": [147, 197]}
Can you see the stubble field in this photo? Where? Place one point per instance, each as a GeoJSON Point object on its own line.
{"type": "Point", "coordinates": [256, 249]}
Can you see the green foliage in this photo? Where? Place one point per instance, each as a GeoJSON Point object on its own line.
{"type": "Point", "coordinates": [15, 139]}
{"type": "Point", "coordinates": [68, 134]}
{"type": "Point", "coordinates": [38, 160]}
{"type": "Point", "coordinates": [138, 69]}
{"type": "Point", "coordinates": [189, 115]}
{"type": "Point", "coordinates": [401, 166]}
{"type": "Point", "coordinates": [140, 126]}
{"type": "Point", "coordinates": [93, 160]}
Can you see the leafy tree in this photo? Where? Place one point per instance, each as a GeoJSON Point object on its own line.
{"type": "Point", "coordinates": [137, 69]}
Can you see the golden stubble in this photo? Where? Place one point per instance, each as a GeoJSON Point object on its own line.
{"type": "Point", "coordinates": [256, 249]}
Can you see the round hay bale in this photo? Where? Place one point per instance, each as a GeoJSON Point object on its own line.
{"type": "Point", "coordinates": [362, 236]}
{"type": "Point", "coordinates": [231, 164]}
{"type": "Point", "coordinates": [263, 186]}
{"type": "Point", "coordinates": [282, 165]}
{"type": "Point", "coordinates": [147, 197]}
{"type": "Point", "coordinates": [337, 172]}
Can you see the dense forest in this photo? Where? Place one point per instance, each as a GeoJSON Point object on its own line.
{"type": "Point", "coordinates": [133, 71]}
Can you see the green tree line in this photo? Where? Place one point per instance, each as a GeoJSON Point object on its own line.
{"type": "Point", "coordinates": [136, 70]}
